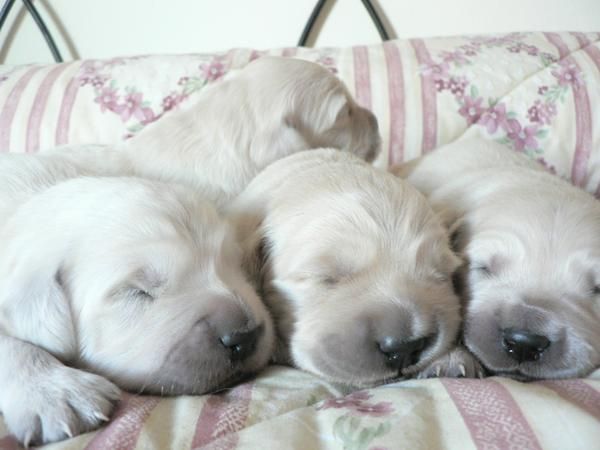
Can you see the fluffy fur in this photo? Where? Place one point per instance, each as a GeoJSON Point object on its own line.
{"type": "Point", "coordinates": [119, 279]}
{"type": "Point", "coordinates": [531, 243]}
{"type": "Point", "coordinates": [347, 258]}
{"type": "Point", "coordinates": [222, 137]}
{"type": "Point", "coordinates": [271, 108]}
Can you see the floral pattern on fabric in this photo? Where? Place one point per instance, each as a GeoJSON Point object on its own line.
{"type": "Point", "coordinates": [350, 427]}
{"type": "Point", "coordinates": [523, 134]}
{"type": "Point", "coordinates": [130, 104]}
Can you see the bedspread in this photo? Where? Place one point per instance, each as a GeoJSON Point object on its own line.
{"type": "Point", "coordinates": [538, 93]}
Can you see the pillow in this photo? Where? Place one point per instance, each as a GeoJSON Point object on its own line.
{"type": "Point", "coordinates": [538, 93]}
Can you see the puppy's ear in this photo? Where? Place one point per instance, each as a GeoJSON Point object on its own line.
{"type": "Point", "coordinates": [337, 111]}
{"type": "Point", "coordinates": [35, 308]}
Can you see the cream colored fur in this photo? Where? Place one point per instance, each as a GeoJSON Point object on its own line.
{"type": "Point", "coordinates": [531, 242]}
{"type": "Point", "coordinates": [117, 279]}
{"type": "Point", "coordinates": [345, 255]}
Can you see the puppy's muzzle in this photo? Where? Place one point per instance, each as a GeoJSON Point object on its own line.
{"type": "Point", "coordinates": [523, 346]}
{"type": "Point", "coordinates": [401, 354]}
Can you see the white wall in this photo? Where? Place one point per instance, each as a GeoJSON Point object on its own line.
{"type": "Point", "coordinates": [103, 28]}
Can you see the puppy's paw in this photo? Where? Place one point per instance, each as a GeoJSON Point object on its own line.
{"type": "Point", "coordinates": [458, 363]}
{"type": "Point", "coordinates": [62, 403]}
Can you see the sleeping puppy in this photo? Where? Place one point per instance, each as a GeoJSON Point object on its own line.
{"type": "Point", "coordinates": [119, 279]}
{"type": "Point", "coordinates": [24, 175]}
{"type": "Point", "coordinates": [234, 128]}
{"type": "Point", "coordinates": [352, 263]}
{"type": "Point", "coordinates": [531, 243]}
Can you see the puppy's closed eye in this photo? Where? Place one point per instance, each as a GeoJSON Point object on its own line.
{"type": "Point", "coordinates": [139, 294]}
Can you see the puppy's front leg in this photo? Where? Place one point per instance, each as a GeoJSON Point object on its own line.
{"type": "Point", "coordinates": [457, 363]}
{"type": "Point", "coordinates": [43, 400]}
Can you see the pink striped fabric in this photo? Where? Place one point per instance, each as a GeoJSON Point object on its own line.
{"type": "Point", "coordinates": [555, 39]}
{"type": "Point", "coordinates": [10, 107]}
{"type": "Point", "coordinates": [577, 392]}
{"type": "Point", "coordinates": [428, 97]}
{"type": "Point", "coordinates": [222, 417]}
{"type": "Point", "coordinates": [396, 101]}
{"type": "Point", "coordinates": [582, 39]}
{"type": "Point", "coordinates": [362, 77]}
{"type": "Point", "coordinates": [492, 416]}
{"type": "Point", "coordinates": [64, 116]}
{"type": "Point", "coordinates": [39, 105]}
{"type": "Point", "coordinates": [124, 429]}
{"type": "Point", "coordinates": [583, 117]}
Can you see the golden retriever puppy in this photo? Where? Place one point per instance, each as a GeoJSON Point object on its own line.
{"type": "Point", "coordinates": [273, 107]}
{"type": "Point", "coordinates": [353, 264]}
{"type": "Point", "coordinates": [531, 243]}
{"type": "Point", "coordinates": [124, 281]}
{"type": "Point", "coordinates": [24, 175]}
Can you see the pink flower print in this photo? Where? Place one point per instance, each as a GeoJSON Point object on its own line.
{"type": "Point", "coordinates": [171, 101]}
{"type": "Point", "coordinates": [550, 58]}
{"type": "Point", "coordinates": [437, 71]}
{"type": "Point", "coordinates": [373, 409]}
{"type": "Point", "coordinates": [132, 107]}
{"type": "Point", "coordinates": [533, 112]}
{"type": "Point", "coordinates": [542, 90]}
{"type": "Point", "coordinates": [523, 138]}
{"type": "Point", "coordinates": [532, 50]}
{"type": "Point", "coordinates": [440, 85]}
{"type": "Point", "coordinates": [182, 81]}
{"type": "Point", "coordinates": [213, 70]}
{"type": "Point", "coordinates": [98, 81]}
{"type": "Point", "coordinates": [352, 400]}
{"type": "Point", "coordinates": [108, 99]}
{"type": "Point", "coordinates": [455, 57]}
{"type": "Point", "coordinates": [457, 86]}
{"type": "Point", "coordinates": [470, 50]}
{"type": "Point", "coordinates": [494, 118]}
{"type": "Point", "coordinates": [357, 405]}
{"type": "Point", "coordinates": [542, 113]}
{"type": "Point", "coordinates": [326, 61]}
{"type": "Point", "coordinates": [514, 48]}
{"type": "Point", "coordinates": [569, 74]}
{"type": "Point", "coordinates": [471, 109]}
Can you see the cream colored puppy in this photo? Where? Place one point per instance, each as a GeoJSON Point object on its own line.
{"type": "Point", "coordinates": [24, 175]}
{"type": "Point", "coordinates": [230, 131]}
{"type": "Point", "coordinates": [353, 264]}
{"type": "Point", "coordinates": [124, 281]}
{"type": "Point", "coordinates": [531, 243]}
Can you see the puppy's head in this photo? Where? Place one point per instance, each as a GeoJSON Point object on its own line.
{"type": "Point", "coordinates": [138, 281]}
{"type": "Point", "coordinates": [533, 283]}
{"type": "Point", "coordinates": [358, 276]}
{"type": "Point", "coordinates": [302, 105]}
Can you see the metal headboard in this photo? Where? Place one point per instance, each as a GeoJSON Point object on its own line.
{"type": "Point", "coordinates": [315, 14]}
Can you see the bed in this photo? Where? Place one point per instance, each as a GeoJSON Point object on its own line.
{"type": "Point", "coordinates": [537, 93]}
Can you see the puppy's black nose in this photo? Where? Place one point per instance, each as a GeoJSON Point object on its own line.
{"type": "Point", "coordinates": [241, 344]}
{"type": "Point", "coordinates": [523, 346]}
{"type": "Point", "coordinates": [401, 354]}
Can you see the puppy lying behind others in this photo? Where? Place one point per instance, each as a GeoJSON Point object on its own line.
{"type": "Point", "coordinates": [531, 242]}
{"type": "Point", "coordinates": [273, 107]}
{"type": "Point", "coordinates": [124, 281]}
{"type": "Point", "coordinates": [353, 264]}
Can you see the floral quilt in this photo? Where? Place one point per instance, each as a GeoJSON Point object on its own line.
{"type": "Point", "coordinates": [537, 93]}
